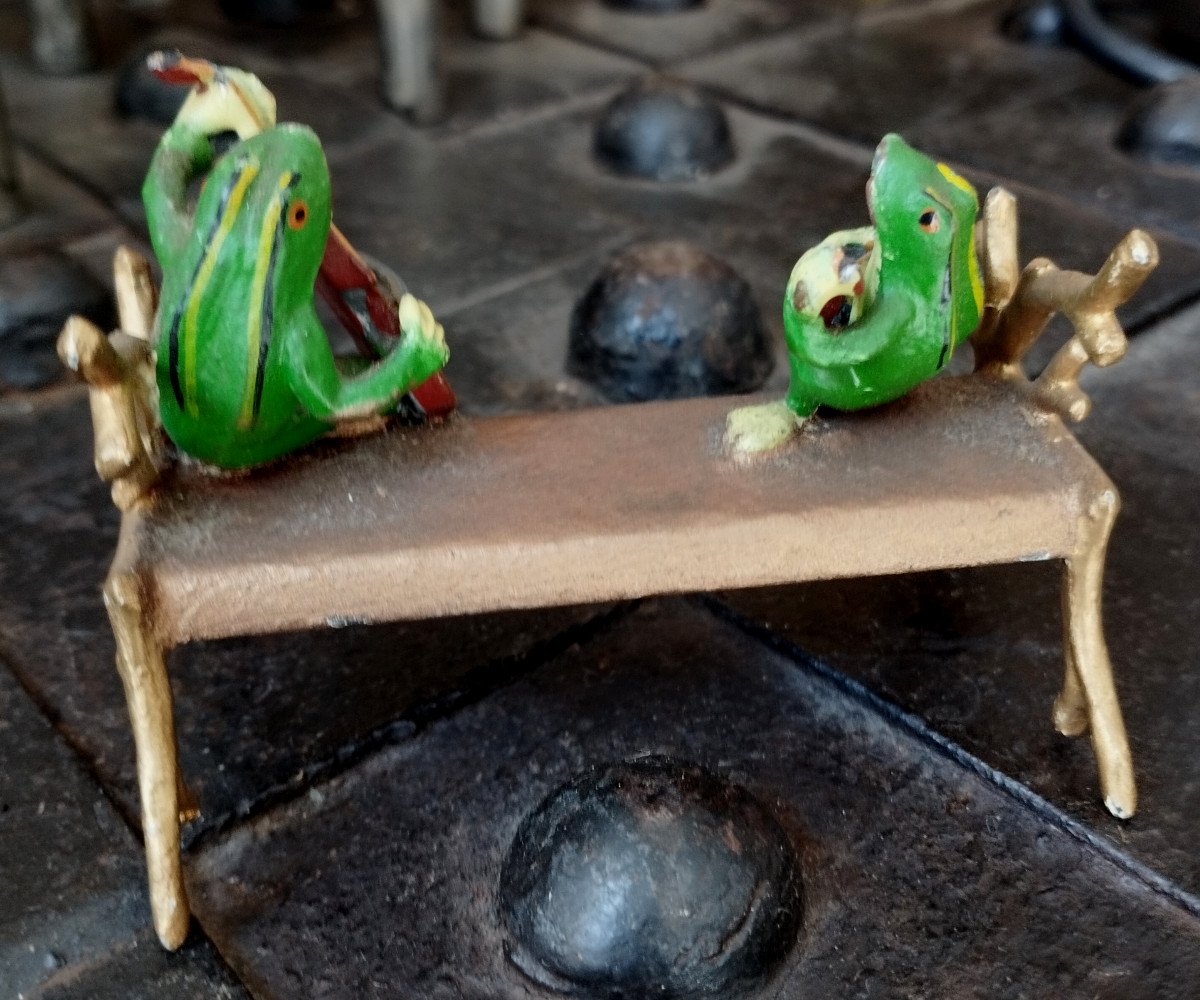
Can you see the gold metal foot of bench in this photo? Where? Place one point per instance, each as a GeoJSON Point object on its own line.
{"type": "Point", "coordinates": [1089, 696]}
{"type": "Point", "coordinates": [148, 693]}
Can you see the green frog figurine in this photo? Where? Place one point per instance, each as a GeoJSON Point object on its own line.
{"type": "Point", "coordinates": [870, 313]}
{"type": "Point", "coordinates": [244, 366]}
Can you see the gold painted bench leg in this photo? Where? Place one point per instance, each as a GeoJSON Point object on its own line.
{"type": "Point", "coordinates": [148, 693]}
{"type": "Point", "coordinates": [1089, 697]}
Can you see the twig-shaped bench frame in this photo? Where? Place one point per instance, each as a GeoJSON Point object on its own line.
{"type": "Point", "coordinates": [595, 506]}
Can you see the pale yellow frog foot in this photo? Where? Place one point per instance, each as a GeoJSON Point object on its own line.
{"type": "Point", "coordinates": [750, 430]}
{"type": "Point", "coordinates": [223, 99]}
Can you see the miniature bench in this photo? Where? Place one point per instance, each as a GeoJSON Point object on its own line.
{"type": "Point", "coordinates": [552, 509]}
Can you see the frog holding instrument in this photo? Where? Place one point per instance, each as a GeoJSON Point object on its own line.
{"type": "Point", "coordinates": [245, 370]}
{"type": "Point", "coordinates": [870, 313]}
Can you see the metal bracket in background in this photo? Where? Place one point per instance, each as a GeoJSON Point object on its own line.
{"type": "Point", "coordinates": [409, 40]}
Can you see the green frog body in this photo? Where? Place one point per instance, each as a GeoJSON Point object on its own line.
{"type": "Point", "coordinates": [244, 367]}
{"type": "Point", "coordinates": [928, 300]}
{"type": "Point", "coordinates": [871, 313]}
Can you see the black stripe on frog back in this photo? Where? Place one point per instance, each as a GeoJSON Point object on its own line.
{"type": "Point", "coordinates": [947, 304]}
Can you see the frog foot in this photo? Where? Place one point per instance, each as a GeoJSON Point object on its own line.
{"type": "Point", "coordinates": [222, 98]}
{"type": "Point", "coordinates": [750, 430]}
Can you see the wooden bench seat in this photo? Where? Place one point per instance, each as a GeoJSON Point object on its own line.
{"type": "Point", "coordinates": [547, 509]}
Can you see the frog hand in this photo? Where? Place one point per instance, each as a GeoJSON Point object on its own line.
{"type": "Point", "coordinates": [422, 338]}
{"type": "Point", "coordinates": [331, 397]}
{"type": "Point", "coordinates": [223, 98]}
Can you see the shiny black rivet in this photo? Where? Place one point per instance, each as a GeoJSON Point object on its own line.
{"type": "Point", "coordinates": [663, 129]}
{"type": "Point", "coordinates": [666, 320]}
{"type": "Point", "coordinates": [650, 878]}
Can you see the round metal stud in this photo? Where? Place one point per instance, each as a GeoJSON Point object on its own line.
{"type": "Point", "coordinates": [666, 320]}
{"type": "Point", "coordinates": [650, 877]}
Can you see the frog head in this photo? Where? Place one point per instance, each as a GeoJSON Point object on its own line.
{"type": "Point", "coordinates": [924, 215]}
{"type": "Point", "coordinates": [263, 217]}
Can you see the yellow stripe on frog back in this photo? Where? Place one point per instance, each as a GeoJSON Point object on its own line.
{"type": "Point", "coordinates": [258, 287]}
{"type": "Point", "coordinates": [957, 180]}
{"type": "Point", "coordinates": [233, 204]}
{"type": "Point", "coordinates": [963, 184]}
{"type": "Point", "coordinates": [976, 277]}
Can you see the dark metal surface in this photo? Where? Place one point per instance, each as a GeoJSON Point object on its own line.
{"type": "Point", "coordinates": [140, 970]}
{"type": "Point", "coordinates": [362, 787]}
{"type": "Point", "coordinates": [38, 291]}
{"type": "Point", "coordinates": [70, 867]}
{"type": "Point", "coordinates": [923, 875]}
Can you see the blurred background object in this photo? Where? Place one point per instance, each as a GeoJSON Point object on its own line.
{"type": "Point", "coordinates": [409, 38]}
{"type": "Point", "coordinates": [278, 12]}
{"type": "Point", "coordinates": [63, 35]}
{"type": "Point", "coordinates": [409, 62]}
{"type": "Point", "coordinates": [663, 129]}
{"type": "Point", "coordinates": [1152, 42]}
{"type": "Point", "coordinates": [10, 197]}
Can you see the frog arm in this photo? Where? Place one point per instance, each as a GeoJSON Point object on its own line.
{"type": "Point", "coordinates": [890, 318]}
{"type": "Point", "coordinates": [330, 396]}
{"type": "Point", "coordinates": [183, 153]}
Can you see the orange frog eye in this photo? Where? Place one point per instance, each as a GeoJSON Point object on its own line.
{"type": "Point", "coordinates": [297, 214]}
{"type": "Point", "coordinates": [930, 221]}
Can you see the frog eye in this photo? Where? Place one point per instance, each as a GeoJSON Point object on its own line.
{"type": "Point", "coordinates": [297, 213]}
{"type": "Point", "coordinates": [930, 221]}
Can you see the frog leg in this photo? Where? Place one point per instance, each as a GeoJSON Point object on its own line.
{"type": "Point", "coordinates": [331, 397]}
{"type": "Point", "coordinates": [183, 153]}
{"type": "Point", "coordinates": [764, 427]}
